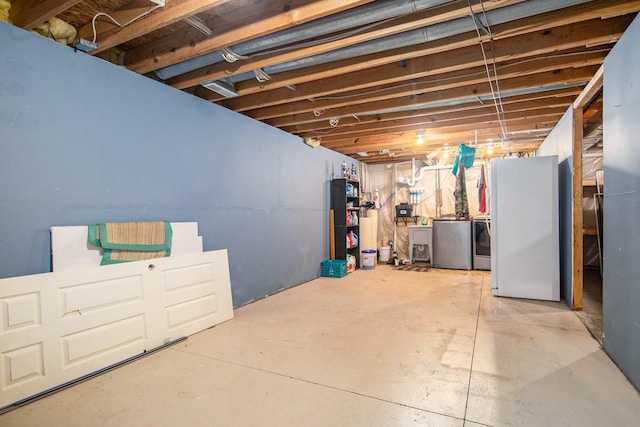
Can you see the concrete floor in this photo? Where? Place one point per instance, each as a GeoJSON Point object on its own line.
{"type": "Point", "coordinates": [591, 313]}
{"type": "Point", "coordinates": [376, 348]}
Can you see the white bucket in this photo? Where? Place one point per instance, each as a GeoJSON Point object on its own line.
{"type": "Point", "coordinates": [369, 259]}
{"type": "Point", "coordinates": [385, 253]}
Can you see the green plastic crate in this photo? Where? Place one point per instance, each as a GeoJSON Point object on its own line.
{"type": "Point", "coordinates": [334, 268]}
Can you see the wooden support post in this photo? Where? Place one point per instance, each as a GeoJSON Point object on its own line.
{"type": "Point", "coordinates": [588, 93]}
{"type": "Point", "coordinates": [578, 222]}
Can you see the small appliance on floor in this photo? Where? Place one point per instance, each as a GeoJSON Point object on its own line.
{"type": "Point", "coordinates": [481, 243]}
{"type": "Point", "coordinates": [452, 244]}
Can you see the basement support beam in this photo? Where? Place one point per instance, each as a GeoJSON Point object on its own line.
{"type": "Point", "coordinates": [28, 14]}
{"type": "Point", "coordinates": [578, 222]}
{"type": "Point", "coordinates": [586, 96]}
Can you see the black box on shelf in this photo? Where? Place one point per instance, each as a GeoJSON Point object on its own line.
{"type": "Point", "coordinates": [404, 210]}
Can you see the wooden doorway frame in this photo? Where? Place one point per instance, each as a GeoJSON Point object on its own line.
{"type": "Point", "coordinates": [586, 96]}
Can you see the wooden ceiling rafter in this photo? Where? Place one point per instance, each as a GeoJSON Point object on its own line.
{"type": "Point", "coordinates": [522, 47]}
{"type": "Point", "coordinates": [395, 26]}
{"type": "Point", "coordinates": [444, 82]}
{"type": "Point", "coordinates": [378, 100]}
{"type": "Point", "coordinates": [517, 103]}
{"type": "Point", "coordinates": [287, 19]}
{"type": "Point", "coordinates": [542, 22]}
{"type": "Point", "coordinates": [29, 14]}
{"type": "Point", "coordinates": [549, 78]}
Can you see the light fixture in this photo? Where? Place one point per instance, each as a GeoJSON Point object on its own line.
{"type": "Point", "coordinates": [362, 154]}
{"type": "Point", "coordinates": [221, 87]}
{"type": "Point", "coordinates": [197, 23]}
{"type": "Point", "coordinates": [446, 153]}
{"type": "Point", "coordinates": [490, 147]}
{"type": "Point", "coordinates": [420, 140]}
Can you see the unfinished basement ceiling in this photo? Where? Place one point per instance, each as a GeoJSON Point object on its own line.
{"type": "Point", "coordinates": [382, 81]}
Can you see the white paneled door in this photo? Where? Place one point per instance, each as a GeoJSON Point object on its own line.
{"type": "Point", "coordinates": [57, 327]}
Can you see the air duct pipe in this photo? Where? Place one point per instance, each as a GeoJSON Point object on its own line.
{"type": "Point", "coordinates": [352, 18]}
{"type": "Point", "coordinates": [413, 37]}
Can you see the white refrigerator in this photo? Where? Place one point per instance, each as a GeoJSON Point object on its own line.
{"type": "Point", "coordinates": [524, 228]}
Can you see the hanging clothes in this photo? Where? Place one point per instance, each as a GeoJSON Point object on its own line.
{"type": "Point", "coordinates": [466, 155]}
{"type": "Point", "coordinates": [460, 194]}
{"type": "Point", "coordinates": [482, 191]}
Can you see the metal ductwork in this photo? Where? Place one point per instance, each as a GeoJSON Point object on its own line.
{"type": "Point", "coordinates": [423, 35]}
{"type": "Point", "coordinates": [352, 18]}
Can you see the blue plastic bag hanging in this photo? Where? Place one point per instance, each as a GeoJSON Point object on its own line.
{"type": "Point", "coordinates": [466, 155]}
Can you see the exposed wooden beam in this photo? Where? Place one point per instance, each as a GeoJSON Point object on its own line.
{"type": "Point", "coordinates": [542, 122]}
{"type": "Point", "coordinates": [591, 10]}
{"type": "Point", "coordinates": [173, 11]}
{"type": "Point", "coordinates": [287, 19]}
{"type": "Point", "coordinates": [590, 33]}
{"type": "Point", "coordinates": [28, 14]}
{"type": "Point", "coordinates": [551, 78]}
{"type": "Point", "coordinates": [512, 104]}
{"type": "Point", "coordinates": [105, 25]}
{"type": "Point", "coordinates": [442, 121]}
{"type": "Point", "coordinates": [428, 84]}
{"type": "Point", "coordinates": [578, 222]}
{"type": "Point", "coordinates": [591, 90]}
{"type": "Point", "coordinates": [395, 26]}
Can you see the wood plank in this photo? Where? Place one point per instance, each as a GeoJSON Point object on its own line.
{"type": "Point", "coordinates": [349, 124]}
{"type": "Point", "coordinates": [589, 231]}
{"type": "Point", "coordinates": [441, 123]}
{"type": "Point", "coordinates": [173, 11]}
{"type": "Point", "coordinates": [565, 16]}
{"type": "Point", "coordinates": [578, 221]}
{"type": "Point", "coordinates": [435, 140]}
{"type": "Point", "coordinates": [589, 33]}
{"type": "Point", "coordinates": [444, 82]}
{"type": "Point", "coordinates": [422, 100]}
{"type": "Point", "coordinates": [398, 25]}
{"type": "Point", "coordinates": [28, 14]}
{"type": "Point", "coordinates": [590, 91]}
{"type": "Point", "coordinates": [288, 19]}
{"type": "Point", "coordinates": [105, 25]}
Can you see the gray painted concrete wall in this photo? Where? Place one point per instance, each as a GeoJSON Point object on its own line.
{"type": "Point", "coordinates": [621, 251]}
{"type": "Point", "coordinates": [84, 141]}
{"type": "Point", "coordinates": [560, 143]}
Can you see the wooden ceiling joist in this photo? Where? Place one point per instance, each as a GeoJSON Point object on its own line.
{"type": "Point", "coordinates": [288, 19]}
{"type": "Point", "coordinates": [375, 101]}
{"type": "Point", "coordinates": [29, 14]}
{"type": "Point", "coordinates": [550, 78]}
{"type": "Point", "coordinates": [519, 47]}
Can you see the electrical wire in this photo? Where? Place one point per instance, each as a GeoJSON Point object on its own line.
{"type": "Point", "coordinates": [261, 75]}
{"type": "Point", "coordinates": [230, 55]}
{"type": "Point", "coordinates": [495, 92]}
{"type": "Point", "coordinates": [325, 39]}
{"type": "Point", "coordinates": [93, 21]}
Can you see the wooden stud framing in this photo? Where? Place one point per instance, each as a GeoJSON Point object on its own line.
{"type": "Point", "coordinates": [576, 303]}
{"type": "Point", "coordinates": [590, 91]}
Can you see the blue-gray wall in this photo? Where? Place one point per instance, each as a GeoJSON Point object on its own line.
{"type": "Point", "coordinates": [560, 143]}
{"type": "Point", "coordinates": [84, 141]}
{"type": "Point", "coordinates": [621, 251]}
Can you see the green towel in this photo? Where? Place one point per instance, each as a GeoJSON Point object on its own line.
{"type": "Point", "coordinates": [131, 241]}
{"type": "Point", "coordinates": [465, 155]}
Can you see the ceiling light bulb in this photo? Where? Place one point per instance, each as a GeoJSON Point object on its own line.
{"type": "Point", "coordinates": [489, 150]}
{"type": "Point", "coordinates": [420, 140]}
